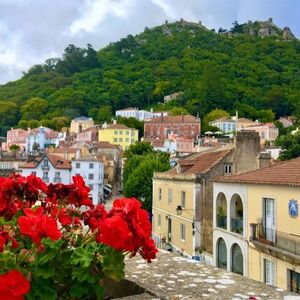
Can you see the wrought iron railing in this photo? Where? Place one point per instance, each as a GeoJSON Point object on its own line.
{"type": "Point", "coordinates": [285, 241]}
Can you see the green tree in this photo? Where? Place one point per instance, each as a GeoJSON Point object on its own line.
{"type": "Point", "coordinates": [139, 182]}
{"type": "Point", "coordinates": [177, 111]}
{"type": "Point", "coordinates": [104, 114]}
{"type": "Point", "coordinates": [290, 145]}
{"type": "Point", "coordinates": [139, 148]}
{"type": "Point", "coordinates": [34, 108]}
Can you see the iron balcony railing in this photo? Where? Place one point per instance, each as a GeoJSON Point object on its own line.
{"type": "Point", "coordinates": [57, 179]}
{"type": "Point", "coordinates": [281, 240]}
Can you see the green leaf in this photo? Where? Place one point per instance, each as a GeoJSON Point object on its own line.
{"type": "Point", "coordinates": [82, 256]}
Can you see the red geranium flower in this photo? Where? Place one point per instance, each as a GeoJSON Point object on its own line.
{"type": "Point", "coordinates": [36, 225]}
{"type": "Point", "coordinates": [114, 232]}
{"type": "Point", "coordinates": [13, 286]}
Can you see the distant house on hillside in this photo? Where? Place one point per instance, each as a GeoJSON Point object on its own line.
{"type": "Point", "coordinates": [172, 96]}
{"type": "Point", "coordinates": [138, 114]}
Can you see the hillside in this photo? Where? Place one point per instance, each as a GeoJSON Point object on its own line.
{"type": "Point", "coordinates": [230, 70]}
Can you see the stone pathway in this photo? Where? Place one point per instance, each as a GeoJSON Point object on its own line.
{"type": "Point", "coordinates": [172, 277]}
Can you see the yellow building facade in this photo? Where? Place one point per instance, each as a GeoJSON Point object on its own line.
{"type": "Point", "coordinates": [262, 241]}
{"type": "Point", "coordinates": [173, 212]}
{"type": "Point", "coordinates": [118, 134]}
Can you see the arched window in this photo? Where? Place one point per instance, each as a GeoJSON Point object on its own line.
{"type": "Point", "coordinates": [236, 214]}
{"type": "Point", "coordinates": [221, 218]}
{"type": "Point", "coordinates": [221, 254]}
{"type": "Point", "coordinates": [237, 260]}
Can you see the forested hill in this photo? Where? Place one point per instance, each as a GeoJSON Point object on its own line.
{"type": "Point", "coordinates": [228, 70]}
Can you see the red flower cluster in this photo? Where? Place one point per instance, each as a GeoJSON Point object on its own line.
{"type": "Point", "coordinates": [59, 214]}
{"type": "Point", "coordinates": [17, 192]}
{"type": "Point", "coordinates": [37, 225]}
{"type": "Point", "coordinates": [13, 286]}
{"type": "Point", "coordinates": [127, 227]}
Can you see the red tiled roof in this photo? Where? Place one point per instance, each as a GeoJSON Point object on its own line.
{"type": "Point", "coordinates": [202, 163]}
{"type": "Point", "coordinates": [283, 173]}
{"type": "Point", "coordinates": [61, 150]}
{"type": "Point", "coordinates": [104, 145]}
{"type": "Point", "coordinates": [56, 161]}
{"type": "Point", "coordinates": [174, 119]}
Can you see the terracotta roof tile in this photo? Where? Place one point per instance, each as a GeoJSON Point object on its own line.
{"type": "Point", "coordinates": [200, 164]}
{"type": "Point", "coordinates": [174, 119]}
{"type": "Point", "coordinates": [116, 126]}
{"type": "Point", "coordinates": [283, 173]}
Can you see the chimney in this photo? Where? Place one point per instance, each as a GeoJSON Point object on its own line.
{"type": "Point", "coordinates": [264, 160]}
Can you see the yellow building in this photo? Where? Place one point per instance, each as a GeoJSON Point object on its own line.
{"type": "Point", "coordinates": [182, 203]}
{"type": "Point", "coordinates": [118, 134]}
{"type": "Point", "coordinates": [81, 123]}
{"type": "Point", "coordinates": [256, 224]}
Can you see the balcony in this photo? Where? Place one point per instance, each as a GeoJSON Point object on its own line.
{"type": "Point", "coordinates": [279, 243]}
{"type": "Point", "coordinates": [57, 179]}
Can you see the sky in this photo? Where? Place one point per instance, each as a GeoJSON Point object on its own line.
{"type": "Point", "coordinates": [33, 30]}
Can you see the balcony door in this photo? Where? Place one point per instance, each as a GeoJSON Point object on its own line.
{"type": "Point", "coordinates": [169, 229]}
{"type": "Point", "coordinates": [270, 219]}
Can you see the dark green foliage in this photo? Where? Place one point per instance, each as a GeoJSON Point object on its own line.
{"type": "Point", "coordinates": [212, 70]}
{"type": "Point", "coordinates": [141, 162]}
{"type": "Point", "coordinates": [290, 145]}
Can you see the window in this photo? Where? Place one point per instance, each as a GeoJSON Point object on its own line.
{"type": "Point", "coordinates": [33, 173]}
{"type": "Point", "coordinates": [159, 194]}
{"type": "Point", "coordinates": [170, 195]}
{"type": "Point", "coordinates": [115, 132]}
{"type": "Point", "coordinates": [91, 176]}
{"type": "Point", "coordinates": [228, 169]}
{"type": "Point", "coordinates": [158, 220]}
{"type": "Point", "coordinates": [91, 187]}
{"type": "Point", "coordinates": [182, 232]}
{"type": "Point", "coordinates": [127, 140]}
{"type": "Point", "coordinates": [183, 199]}
{"type": "Point", "coordinates": [120, 132]}
{"type": "Point", "coordinates": [91, 165]}
{"type": "Point", "coordinates": [269, 272]}
{"type": "Point", "coordinates": [294, 282]}
{"type": "Point", "coordinates": [262, 135]}
{"type": "Point", "coordinates": [127, 132]}
{"type": "Point", "coordinates": [120, 140]}
{"type": "Point", "coordinates": [77, 166]}
{"type": "Point", "coordinates": [57, 174]}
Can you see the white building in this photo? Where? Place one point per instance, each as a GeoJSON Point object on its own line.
{"type": "Point", "coordinates": [140, 115]}
{"type": "Point", "coordinates": [50, 168]}
{"type": "Point", "coordinates": [226, 125]}
{"type": "Point", "coordinates": [92, 171]}
{"type": "Point", "coordinates": [40, 138]}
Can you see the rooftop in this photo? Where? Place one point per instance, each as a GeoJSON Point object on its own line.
{"type": "Point", "coordinates": [174, 119]}
{"type": "Point", "coordinates": [285, 173]}
{"type": "Point", "coordinates": [174, 277]}
{"type": "Point", "coordinates": [200, 164]}
{"type": "Point", "coordinates": [56, 161]}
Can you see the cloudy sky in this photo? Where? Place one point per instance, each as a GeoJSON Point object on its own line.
{"type": "Point", "coordinates": [34, 30]}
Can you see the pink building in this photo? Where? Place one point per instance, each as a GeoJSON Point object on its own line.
{"type": "Point", "coordinates": [88, 135]}
{"type": "Point", "coordinates": [268, 132]}
{"type": "Point", "coordinates": [16, 137]}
